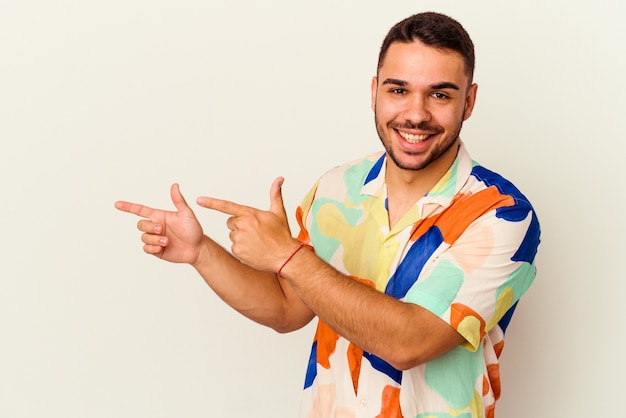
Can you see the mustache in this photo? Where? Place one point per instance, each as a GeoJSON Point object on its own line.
{"type": "Point", "coordinates": [422, 126]}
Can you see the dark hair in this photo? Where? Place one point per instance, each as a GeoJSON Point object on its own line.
{"type": "Point", "coordinates": [433, 29]}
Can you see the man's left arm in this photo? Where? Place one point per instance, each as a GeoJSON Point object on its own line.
{"type": "Point", "coordinates": [403, 334]}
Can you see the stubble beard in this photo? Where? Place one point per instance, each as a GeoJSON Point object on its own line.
{"type": "Point", "coordinates": [441, 148]}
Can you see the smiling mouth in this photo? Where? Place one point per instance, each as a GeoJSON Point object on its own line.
{"type": "Point", "coordinates": [412, 138]}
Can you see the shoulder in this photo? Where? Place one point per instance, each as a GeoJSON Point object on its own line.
{"type": "Point", "coordinates": [362, 164]}
{"type": "Point", "coordinates": [353, 174]}
{"type": "Point", "coordinates": [509, 206]}
{"type": "Point", "coordinates": [485, 178]}
{"type": "Point", "coordinates": [343, 180]}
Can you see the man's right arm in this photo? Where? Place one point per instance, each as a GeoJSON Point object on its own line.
{"type": "Point", "coordinates": [258, 295]}
{"type": "Point", "coordinates": [177, 236]}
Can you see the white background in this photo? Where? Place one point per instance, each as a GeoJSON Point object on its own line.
{"type": "Point", "coordinates": [117, 99]}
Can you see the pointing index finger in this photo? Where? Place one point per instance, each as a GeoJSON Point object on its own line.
{"type": "Point", "coordinates": [134, 208]}
{"type": "Point", "coordinates": [224, 206]}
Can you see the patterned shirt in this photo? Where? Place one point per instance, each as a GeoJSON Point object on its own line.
{"type": "Point", "coordinates": [465, 252]}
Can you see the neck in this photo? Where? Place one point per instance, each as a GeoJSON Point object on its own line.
{"type": "Point", "coordinates": [406, 187]}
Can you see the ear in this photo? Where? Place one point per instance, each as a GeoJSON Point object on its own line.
{"type": "Point", "coordinates": [374, 88]}
{"type": "Point", "coordinates": [470, 100]}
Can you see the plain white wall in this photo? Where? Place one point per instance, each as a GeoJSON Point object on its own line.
{"type": "Point", "coordinates": [101, 101]}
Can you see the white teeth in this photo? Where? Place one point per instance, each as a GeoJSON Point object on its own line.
{"type": "Point", "coordinates": [412, 138]}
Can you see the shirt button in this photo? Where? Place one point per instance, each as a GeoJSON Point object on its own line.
{"type": "Point", "coordinates": [387, 244]}
{"type": "Point", "coordinates": [363, 402]}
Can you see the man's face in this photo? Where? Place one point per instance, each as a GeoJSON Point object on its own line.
{"type": "Point", "coordinates": [420, 99]}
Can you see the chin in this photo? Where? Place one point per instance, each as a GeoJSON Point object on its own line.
{"type": "Point", "coordinates": [411, 164]}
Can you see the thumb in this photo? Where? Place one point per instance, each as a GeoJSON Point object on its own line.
{"type": "Point", "coordinates": [178, 199]}
{"type": "Point", "coordinates": [276, 198]}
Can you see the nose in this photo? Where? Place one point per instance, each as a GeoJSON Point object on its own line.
{"type": "Point", "coordinates": [417, 110]}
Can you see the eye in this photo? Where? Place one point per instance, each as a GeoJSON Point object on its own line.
{"type": "Point", "coordinates": [439, 95]}
{"type": "Point", "coordinates": [399, 91]}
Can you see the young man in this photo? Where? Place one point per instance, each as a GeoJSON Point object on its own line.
{"type": "Point", "coordinates": [413, 259]}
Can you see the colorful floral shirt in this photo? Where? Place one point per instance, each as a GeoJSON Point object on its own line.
{"type": "Point", "coordinates": [465, 252]}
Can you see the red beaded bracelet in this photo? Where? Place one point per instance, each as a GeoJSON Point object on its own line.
{"type": "Point", "coordinates": [302, 244]}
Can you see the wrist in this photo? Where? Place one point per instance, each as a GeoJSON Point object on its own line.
{"type": "Point", "coordinates": [288, 260]}
{"type": "Point", "coordinates": [203, 253]}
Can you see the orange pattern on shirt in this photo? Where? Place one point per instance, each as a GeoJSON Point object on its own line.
{"type": "Point", "coordinates": [327, 339]}
{"type": "Point", "coordinates": [464, 209]}
{"type": "Point", "coordinates": [390, 403]}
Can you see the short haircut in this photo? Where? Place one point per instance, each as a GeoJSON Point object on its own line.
{"type": "Point", "coordinates": [432, 29]}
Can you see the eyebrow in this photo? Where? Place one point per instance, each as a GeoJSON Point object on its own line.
{"type": "Point", "coordinates": [395, 82]}
{"type": "Point", "coordinates": [445, 85]}
{"type": "Point", "coordinates": [439, 86]}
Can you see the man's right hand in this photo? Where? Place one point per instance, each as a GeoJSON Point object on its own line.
{"type": "Point", "coordinates": [174, 236]}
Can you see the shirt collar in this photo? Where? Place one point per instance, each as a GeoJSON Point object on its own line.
{"type": "Point", "coordinates": [441, 194]}
{"type": "Point", "coordinates": [374, 182]}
